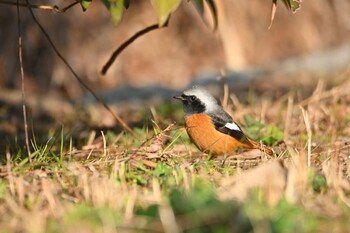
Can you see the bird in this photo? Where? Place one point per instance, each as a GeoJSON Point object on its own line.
{"type": "Point", "coordinates": [212, 129]}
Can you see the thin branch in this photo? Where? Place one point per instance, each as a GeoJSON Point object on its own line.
{"type": "Point", "coordinates": [118, 119]}
{"type": "Point", "coordinates": [121, 48]}
{"type": "Point", "coordinates": [41, 7]}
{"type": "Point", "coordinates": [22, 80]}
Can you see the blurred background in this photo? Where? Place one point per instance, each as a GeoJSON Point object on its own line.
{"type": "Point", "coordinates": [309, 45]}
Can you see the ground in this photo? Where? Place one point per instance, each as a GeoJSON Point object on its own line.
{"type": "Point", "coordinates": [110, 181]}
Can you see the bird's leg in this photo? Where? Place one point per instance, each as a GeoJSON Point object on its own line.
{"type": "Point", "coordinates": [224, 160]}
{"type": "Point", "coordinates": [210, 157]}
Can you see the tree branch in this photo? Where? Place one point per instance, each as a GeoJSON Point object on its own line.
{"type": "Point", "coordinates": [41, 7]}
{"type": "Point", "coordinates": [123, 46]}
{"type": "Point", "coordinates": [22, 80]}
{"type": "Point", "coordinates": [118, 119]}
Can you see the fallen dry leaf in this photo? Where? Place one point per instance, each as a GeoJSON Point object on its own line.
{"type": "Point", "coordinates": [248, 154]}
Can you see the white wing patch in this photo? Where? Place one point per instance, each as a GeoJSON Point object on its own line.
{"type": "Point", "coordinates": [232, 126]}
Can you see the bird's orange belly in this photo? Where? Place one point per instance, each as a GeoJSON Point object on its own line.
{"type": "Point", "coordinates": [203, 134]}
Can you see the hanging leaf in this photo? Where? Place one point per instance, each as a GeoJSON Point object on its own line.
{"type": "Point", "coordinates": [273, 11]}
{"type": "Point", "coordinates": [126, 4]}
{"type": "Point", "coordinates": [164, 8]}
{"type": "Point", "coordinates": [292, 5]}
{"type": "Point", "coordinates": [214, 12]}
{"type": "Point", "coordinates": [115, 8]}
{"type": "Point", "coordinates": [199, 4]}
{"type": "Point", "coordinates": [85, 4]}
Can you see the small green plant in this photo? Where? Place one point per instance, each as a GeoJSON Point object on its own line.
{"type": "Point", "coordinates": [282, 217]}
{"type": "Point", "coordinates": [269, 135]}
{"type": "Point", "coordinates": [85, 216]}
{"type": "Point", "coordinates": [318, 182]}
{"type": "Point", "coordinates": [272, 135]}
{"type": "Point", "coordinates": [199, 210]}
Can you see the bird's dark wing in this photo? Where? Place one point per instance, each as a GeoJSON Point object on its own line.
{"type": "Point", "coordinates": [225, 124]}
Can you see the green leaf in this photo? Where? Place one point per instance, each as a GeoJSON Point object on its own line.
{"type": "Point", "coordinates": [151, 211]}
{"type": "Point", "coordinates": [161, 170]}
{"type": "Point", "coordinates": [126, 4]}
{"type": "Point", "coordinates": [318, 182]}
{"type": "Point", "coordinates": [269, 135]}
{"type": "Point", "coordinates": [272, 135]}
{"type": "Point", "coordinates": [115, 8]}
{"type": "Point", "coordinates": [85, 4]}
{"type": "Point", "coordinates": [164, 8]}
{"type": "Point", "coordinates": [250, 121]}
{"type": "Point", "coordinates": [293, 5]}
{"type": "Point", "coordinates": [253, 127]}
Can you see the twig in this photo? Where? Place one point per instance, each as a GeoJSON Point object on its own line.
{"type": "Point", "coordinates": [288, 118]}
{"type": "Point", "coordinates": [9, 171]}
{"type": "Point", "coordinates": [41, 7]}
{"type": "Point", "coordinates": [166, 213]}
{"type": "Point", "coordinates": [157, 135]}
{"type": "Point", "coordinates": [104, 144]}
{"type": "Point", "coordinates": [121, 48]}
{"type": "Point", "coordinates": [309, 134]}
{"type": "Point", "coordinates": [22, 80]}
{"type": "Point", "coordinates": [340, 90]}
{"type": "Point", "coordinates": [118, 119]}
{"type": "Point", "coordinates": [226, 97]}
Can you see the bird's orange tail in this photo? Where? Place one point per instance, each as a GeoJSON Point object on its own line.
{"type": "Point", "coordinates": [261, 147]}
{"type": "Point", "coordinates": [266, 150]}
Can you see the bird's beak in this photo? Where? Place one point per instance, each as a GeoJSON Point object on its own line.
{"type": "Point", "coordinates": [179, 97]}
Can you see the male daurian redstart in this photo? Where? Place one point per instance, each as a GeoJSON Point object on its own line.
{"type": "Point", "coordinates": [212, 129]}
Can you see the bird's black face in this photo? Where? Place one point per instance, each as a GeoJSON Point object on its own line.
{"type": "Point", "coordinates": [191, 103]}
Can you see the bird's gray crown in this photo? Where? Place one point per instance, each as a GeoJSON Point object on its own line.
{"type": "Point", "coordinates": [205, 97]}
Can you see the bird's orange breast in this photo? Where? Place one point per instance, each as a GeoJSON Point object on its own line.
{"type": "Point", "coordinates": [203, 134]}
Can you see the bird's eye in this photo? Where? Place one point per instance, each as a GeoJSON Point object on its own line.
{"type": "Point", "coordinates": [193, 98]}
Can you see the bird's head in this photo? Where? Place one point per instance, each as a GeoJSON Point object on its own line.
{"type": "Point", "coordinates": [197, 100]}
